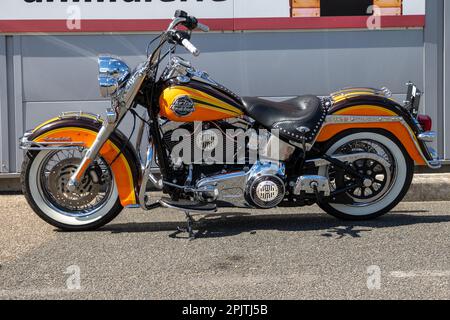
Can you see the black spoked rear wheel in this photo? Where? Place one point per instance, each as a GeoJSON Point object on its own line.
{"type": "Point", "coordinates": [387, 181]}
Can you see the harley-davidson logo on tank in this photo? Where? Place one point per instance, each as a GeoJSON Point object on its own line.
{"type": "Point", "coordinates": [152, 15]}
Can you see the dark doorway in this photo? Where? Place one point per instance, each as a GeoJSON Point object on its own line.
{"type": "Point", "coordinates": [345, 7]}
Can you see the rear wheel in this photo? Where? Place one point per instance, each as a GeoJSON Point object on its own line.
{"type": "Point", "coordinates": [44, 179]}
{"type": "Point", "coordinates": [387, 181]}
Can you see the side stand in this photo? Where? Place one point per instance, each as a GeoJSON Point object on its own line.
{"type": "Point", "coordinates": [188, 208]}
{"type": "Point", "coordinates": [189, 226]}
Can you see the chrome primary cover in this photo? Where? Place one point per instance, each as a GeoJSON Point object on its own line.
{"type": "Point", "coordinates": [266, 191]}
{"type": "Point", "coordinates": [262, 186]}
{"type": "Point", "coordinates": [265, 185]}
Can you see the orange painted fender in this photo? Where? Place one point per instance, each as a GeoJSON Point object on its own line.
{"type": "Point", "coordinates": [84, 129]}
{"type": "Point", "coordinates": [399, 126]}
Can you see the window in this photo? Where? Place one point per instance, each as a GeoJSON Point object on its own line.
{"type": "Point", "coordinates": [327, 8]}
{"type": "Point", "coordinates": [345, 7]}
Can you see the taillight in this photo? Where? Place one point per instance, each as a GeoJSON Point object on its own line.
{"type": "Point", "coordinates": [425, 122]}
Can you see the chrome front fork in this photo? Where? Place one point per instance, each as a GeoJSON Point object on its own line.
{"type": "Point", "coordinates": [146, 164]}
{"type": "Point", "coordinates": [103, 135]}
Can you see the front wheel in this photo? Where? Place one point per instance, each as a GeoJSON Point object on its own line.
{"type": "Point", "coordinates": [386, 185]}
{"type": "Point", "coordinates": [44, 178]}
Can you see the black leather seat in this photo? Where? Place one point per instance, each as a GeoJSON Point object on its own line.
{"type": "Point", "coordinates": [288, 116]}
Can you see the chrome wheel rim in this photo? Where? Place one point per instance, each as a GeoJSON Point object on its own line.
{"type": "Point", "coordinates": [92, 195]}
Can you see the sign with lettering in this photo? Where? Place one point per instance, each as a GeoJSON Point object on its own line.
{"type": "Point", "coordinates": [26, 16]}
{"type": "Point", "coordinates": [112, 9]}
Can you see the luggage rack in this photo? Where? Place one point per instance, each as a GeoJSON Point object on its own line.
{"type": "Point", "coordinates": [353, 92]}
{"type": "Point", "coordinates": [413, 96]}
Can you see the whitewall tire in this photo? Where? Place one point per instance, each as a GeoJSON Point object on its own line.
{"type": "Point", "coordinates": [31, 182]}
{"type": "Point", "coordinates": [399, 182]}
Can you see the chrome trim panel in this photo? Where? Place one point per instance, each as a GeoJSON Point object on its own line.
{"type": "Point", "coordinates": [233, 186]}
{"type": "Point", "coordinates": [34, 146]}
{"type": "Point", "coordinates": [333, 119]}
{"type": "Point", "coordinates": [25, 144]}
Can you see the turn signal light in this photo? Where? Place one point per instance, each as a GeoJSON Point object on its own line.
{"type": "Point", "coordinates": [425, 122]}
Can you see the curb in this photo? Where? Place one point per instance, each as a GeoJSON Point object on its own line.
{"type": "Point", "coordinates": [425, 187]}
{"type": "Point", "coordinates": [429, 187]}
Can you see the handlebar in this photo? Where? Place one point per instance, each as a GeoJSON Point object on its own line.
{"type": "Point", "coordinates": [181, 37]}
{"type": "Point", "coordinates": [190, 22]}
{"type": "Point", "coordinates": [190, 47]}
{"type": "Point", "coordinates": [202, 27]}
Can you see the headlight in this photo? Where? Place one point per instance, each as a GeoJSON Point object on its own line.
{"type": "Point", "coordinates": [112, 74]}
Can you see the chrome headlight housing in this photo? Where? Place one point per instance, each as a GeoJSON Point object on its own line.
{"type": "Point", "coordinates": [113, 73]}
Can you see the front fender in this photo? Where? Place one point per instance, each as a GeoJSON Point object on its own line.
{"type": "Point", "coordinates": [84, 128]}
{"type": "Point", "coordinates": [376, 112]}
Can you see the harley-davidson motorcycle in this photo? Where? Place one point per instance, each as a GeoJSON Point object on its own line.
{"type": "Point", "coordinates": [353, 152]}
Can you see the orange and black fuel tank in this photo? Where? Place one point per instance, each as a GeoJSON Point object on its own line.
{"type": "Point", "coordinates": [198, 101]}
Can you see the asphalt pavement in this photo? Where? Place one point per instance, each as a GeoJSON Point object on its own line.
{"type": "Point", "coordinates": [240, 254]}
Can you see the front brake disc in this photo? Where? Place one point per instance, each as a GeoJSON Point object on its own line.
{"type": "Point", "coordinates": [57, 185]}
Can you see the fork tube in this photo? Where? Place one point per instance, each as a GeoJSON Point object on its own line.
{"type": "Point", "coordinates": [91, 154]}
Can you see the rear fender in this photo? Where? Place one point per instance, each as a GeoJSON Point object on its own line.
{"type": "Point", "coordinates": [84, 128]}
{"type": "Point", "coordinates": [376, 112]}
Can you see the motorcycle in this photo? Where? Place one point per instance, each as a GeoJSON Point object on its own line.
{"type": "Point", "coordinates": [352, 153]}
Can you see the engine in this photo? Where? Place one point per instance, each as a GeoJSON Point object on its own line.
{"type": "Point", "coordinates": [239, 180]}
{"type": "Point", "coordinates": [205, 143]}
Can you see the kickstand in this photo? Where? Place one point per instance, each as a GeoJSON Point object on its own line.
{"type": "Point", "coordinates": [189, 226]}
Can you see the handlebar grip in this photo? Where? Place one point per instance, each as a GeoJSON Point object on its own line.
{"type": "Point", "coordinates": [190, 47]}
{"type": "Point", "coordinates": [202, 27]}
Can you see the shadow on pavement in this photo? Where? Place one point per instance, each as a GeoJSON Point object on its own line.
{"type": "Point", "coordinates": [232, 224]}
